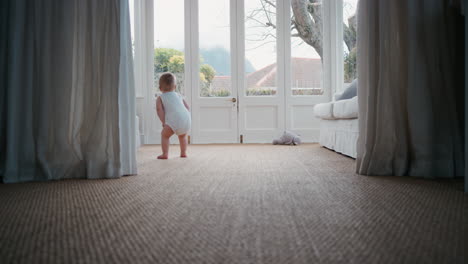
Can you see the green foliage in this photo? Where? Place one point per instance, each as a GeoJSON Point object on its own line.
{"type": "Point", "coordinates": [260, 91]}
{"type": "Point", "coordinates": [350, 66]}
{"type": "Point", "coordinates": [297, 91]}
{"type": "Point", "coordinates": [206, 91]}
{"type": "Point", "coordinates": [208, 72]}
{"type": "Point", "coordinates": [221, 93]}
{"type": "Point", "coordinates": [203, 78]}
{"type": "Point", "coordinates": [172, 60]}
{"type": "Point", "coordinates": [176, 64]}
{"type": "Point", "coordinates": [162, 58]}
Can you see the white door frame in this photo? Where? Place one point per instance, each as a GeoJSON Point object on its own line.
{"type": "Point", "coordinates": [299, 109]}
{"type": "Point", "coordinates": [332, 70]}
{"type": "Point", "coordinates": [222, 108]}
{"type": "Point", "coordinates": [144, 66]}
{"type": "Point", "coordinates": [271, 108]}
{"type": "Point", "coordinates": [144, 38]}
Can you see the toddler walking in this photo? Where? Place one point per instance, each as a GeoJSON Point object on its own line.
{"type": "Point", "coordinates": [173, 111]}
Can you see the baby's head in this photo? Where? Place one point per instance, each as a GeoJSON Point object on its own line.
{"type": "Point", "coordinates": [167, 82]}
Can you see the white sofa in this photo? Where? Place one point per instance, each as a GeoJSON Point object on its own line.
{"type": "Point", "coordinates": [339, 125]}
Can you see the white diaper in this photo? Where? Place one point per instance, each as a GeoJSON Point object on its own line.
{"type": "Point", "coordinates": [177, 116]}
{"type": "Point", "coordinates": [179, 124]}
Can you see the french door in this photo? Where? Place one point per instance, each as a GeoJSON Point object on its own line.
{"type": "Point", "coordinates": [214, 82]}
{"type": "Point", "coordinates": [261, 70]}
{"type": "Point", "coordinates": [241, 67]}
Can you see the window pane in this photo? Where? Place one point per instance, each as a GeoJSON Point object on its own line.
{"type": "Point", "coordinates": [215, 50]}
{"type": "Point", "coordinates": [306, 48]}
{"type": "Point", "coordinates": [260, 47]}
{"type": "Point", "coordinates": [349, 40]}
{"type": "Point", "coordinates": [169, 41]}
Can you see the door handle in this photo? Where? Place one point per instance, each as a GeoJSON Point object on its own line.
{"type": "Point", "coordinates": [233, 100]}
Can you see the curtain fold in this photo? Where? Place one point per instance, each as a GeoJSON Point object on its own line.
{"type": "Point", "coordinates": [127, 103]}
{"type": "Point", "coordinates": [60, 84]}
{"type": "Point", "coordinates": [410, 67]}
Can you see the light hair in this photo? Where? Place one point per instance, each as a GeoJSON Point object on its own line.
{"type": "Point", "coordinates": [167, 82]}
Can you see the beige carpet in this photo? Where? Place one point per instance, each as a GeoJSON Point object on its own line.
{"type": "Point", "coordinates": [236, 204]}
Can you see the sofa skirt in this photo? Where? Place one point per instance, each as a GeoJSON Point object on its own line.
{"type": "Point", "coordinates": [340, 135]}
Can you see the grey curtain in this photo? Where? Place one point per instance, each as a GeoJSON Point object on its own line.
{"type": "Point", "coordinates": [59, 97]}
{"type": "Point", "coordinates": [411, 82]}
{"type": "Point", "coordinates": [127, 102]}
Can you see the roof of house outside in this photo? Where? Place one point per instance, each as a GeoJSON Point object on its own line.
{"type": "Point", "coordinates": [305, 73]}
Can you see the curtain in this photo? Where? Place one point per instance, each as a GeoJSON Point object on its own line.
{"type": "Point", "coordinates": [127, 103]}
{"type": "Point", "coordinates": [411, 84]}
{"type": "Point", "coordinates": [60, 79]}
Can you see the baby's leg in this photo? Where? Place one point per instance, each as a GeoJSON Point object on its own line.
{"type": "Point", "coordinates": [166, 133]}
{"type": "Point", "coordinates": [183, 145]}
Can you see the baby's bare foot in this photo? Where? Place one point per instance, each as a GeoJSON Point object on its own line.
{"type": "Point", "coordinates": [162, 156]}
{"type": "Point", "coordinates": [183, 155]}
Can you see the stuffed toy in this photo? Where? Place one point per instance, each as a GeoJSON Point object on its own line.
{"type": "Point", "coordinates": [288, 138]}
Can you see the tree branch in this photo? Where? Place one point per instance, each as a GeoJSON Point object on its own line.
{"type": "Point", "coordinates": [270, 3]}
{"type": "Point", "coordinates": [350, 32]}
{"type": "Point", "coordinates": [308, 22]}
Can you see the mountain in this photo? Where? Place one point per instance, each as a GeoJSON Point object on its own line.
{"type": "Point", "coordinates": [219, 58]}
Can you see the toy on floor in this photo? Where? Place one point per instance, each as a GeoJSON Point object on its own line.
{"type": "Point", "coordinates": [288, 138]}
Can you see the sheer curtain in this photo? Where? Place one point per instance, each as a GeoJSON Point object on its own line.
{"type": "Point", "coordinates": [127, 104]}
{"type": "Point", "coordinates": [60, 78]}
{"type": "Point", "coordinates": [410, 64]}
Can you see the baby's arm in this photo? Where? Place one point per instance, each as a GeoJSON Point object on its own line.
{"type": "Point", "coordinates": [186, 105]}
{"type": "Point", "coordinates": [160, 111]}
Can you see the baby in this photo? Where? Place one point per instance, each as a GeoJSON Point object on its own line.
{"type": "Point", "coordinates": [173, 111]}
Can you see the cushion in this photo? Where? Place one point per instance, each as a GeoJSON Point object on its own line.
{"type": "Point", "coordinates": [337, 96]}
{"type": "Point", "coordinates": [324, 111]}
{"type": "Point", "coordinates": [346, 109]}
{"type": "Point", "coordinates": [349, 92]}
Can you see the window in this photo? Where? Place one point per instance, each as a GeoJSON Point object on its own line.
{"type": "Point", "coordinates": [260, 48]}
{"type": "Point", "coordinates": [349, 40]}
{"type": "Point", "coordinates": [289, 54]}
{"type": "Point", "coordinates": [215, 50]}
{"type": "Point", "coordinates": [169, 42]}
{"type": "Point", "coordinates": [306, 48]}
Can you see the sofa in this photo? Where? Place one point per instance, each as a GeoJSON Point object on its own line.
{"type": "Point", "coordinates": [339, 125]}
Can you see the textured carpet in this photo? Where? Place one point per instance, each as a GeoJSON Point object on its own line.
{"type": "Point", "coordinates": [236, 204]}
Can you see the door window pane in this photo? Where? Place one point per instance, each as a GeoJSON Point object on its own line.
{"type": "Point", "coordinates": [349, 40]}
{"type": "Point", "coordinates": [169, 41]}
{"type": "Point", "coordinates": [215, 50]}
{"type": "Point", "coordinates": [260, 48]}
{"type": "Point", "coordinates": [306, 48]}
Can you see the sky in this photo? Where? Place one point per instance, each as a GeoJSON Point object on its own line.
{"type": "Point", "coordinates": [214, 29]}
{"type": "Point", "coordinates": [349, 8]}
